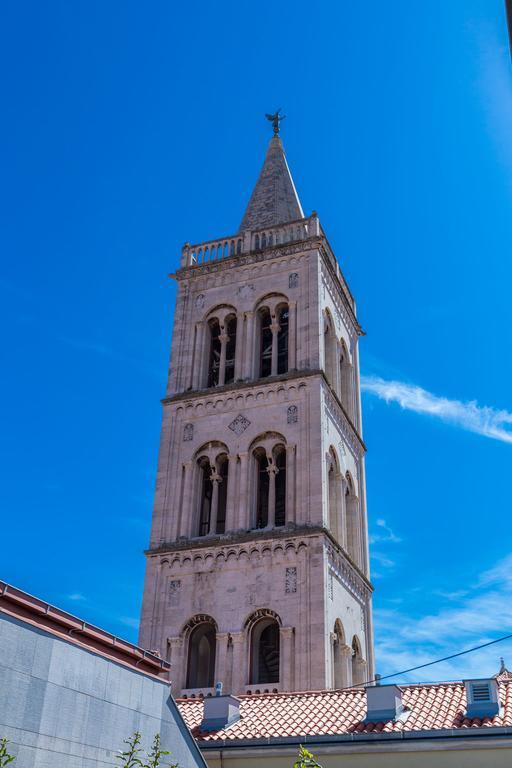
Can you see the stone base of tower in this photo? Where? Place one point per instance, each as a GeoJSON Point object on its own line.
{"type": "Point", "coordinates": [280, 610]}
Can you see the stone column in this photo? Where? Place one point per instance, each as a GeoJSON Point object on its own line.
{"type": "Point", "coordinates": [216, 479]}
{"type": "Point", "coordinates": [249, 363]}
{"type": "Point", "coordinates": [178, 671]}
{"type": "Point", "coordinates": [346, 665]}
{"type": "Point", "coordinates": [223, 338]}
{"type": "Point", "coordinates": [290, 483]}
{"type": "Point", "coordinates": [338, 501]}
{"type": "Point", "coordinates": [231, 523]}
{"type": "Point", "coordinates": [333, 639]}
{"type": "Point", "coordinates": [292, 335]}
{"type": "Point", "coordinates": [221, 650]}
{"type": "Point", "coordinates": [239, 348]}
{"type": "Point", "coordinates": [274, 327]}
{"type": "Point", "coordinates": [343, 513]}
{"type": "Point", "coordinates": [239, 677]}
{"type": "Point", "coordinates": [287, 658]}
{"type": "Point", "coordinates": [243, 513]}
{"type": "Point", "coordinates": [272, 472]}
{"type": "Point", "coordinates": [198, 361]}
{"type": "Point", "coordinates": [186, 515]}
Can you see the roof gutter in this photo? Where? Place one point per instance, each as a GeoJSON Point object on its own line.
{"type": "Point", "coordinates": [367, 739]}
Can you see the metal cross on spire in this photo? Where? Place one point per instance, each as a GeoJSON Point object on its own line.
{"type": "Point", "coordinates": [275, 119]}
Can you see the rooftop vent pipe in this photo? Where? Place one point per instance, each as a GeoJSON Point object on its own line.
{"type": "Point", "coordinates": [383, 703]}
{"type": "Point", "coordinates": [482, 697]}
{"type": "Point", "coordinates": [219, 711]}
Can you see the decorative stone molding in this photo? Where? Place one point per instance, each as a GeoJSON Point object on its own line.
{"type": "Point", "coordinates": [292, 414]}
{"type": "Point", "coordinates": [245, 291]}
{"type": "Point", "coordinates": [239, 424]}
{"type": "Point", "coordinates": [206, 558]}
{"type": "Point", "coordinates": [290, 581]}
{"type": "Point", "coordinates": [261, 613]}
{"type": "Point", "coordinates": [346, 574]}
{"type": "Point", "coordinates": [188, 433]}
{"type": "Point", "coordinates": [174, 593]}
{"type": "Point", "coordinates": [237, 399]}
{"type": "Point", "coordinates": [199, 302]}
{"type": "Point", "coordinates": [293, 280]}
{"type": "Point", "coordinates": [333, 412]}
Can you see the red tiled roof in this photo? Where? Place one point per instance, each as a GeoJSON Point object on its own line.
{"type": "Point", "coordinates": [436, 706]}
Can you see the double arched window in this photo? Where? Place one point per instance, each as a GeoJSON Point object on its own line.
{"type": "Point", "coordinates": [201, 654]}
{"type": "Point", "coordinates": [270, 481]}
{"type": "Point", "coordinates": [273, 323]}
{"type": "Point", "coordinates": [222, 348]}
{"type": "Point", "coordinates": [213, 466]}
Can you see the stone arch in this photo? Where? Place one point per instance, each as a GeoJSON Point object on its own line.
{"type": "Point", "coordinates": [200, 634]}
{"type": "Point", "coordinates": [358, 662]}
{"type": "Point", "coordinates": [263, 632]}
{"type": "Point", "coordinates": [340, 657]}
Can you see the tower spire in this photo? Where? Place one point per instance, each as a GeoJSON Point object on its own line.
{"type": "Point", "coordinates": [274, 199]}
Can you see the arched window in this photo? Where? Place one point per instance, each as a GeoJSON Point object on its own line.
{"type": "Point", "coordinates": [358, 666]}
{"type": "Point", "coordinates": [282, 341]}
{"type": "Point", "coordinates": [221, 363]}
{"type": "Point", "coordinates": [229, 371]}
{"type": "Point", "coordinates": [265, 652]}
{"type": "Point", "coordinates": [346, 374]}
{"type": "Point", "coordinates": [333, 500]}
{"type": "Point", "coordinates": [266, 338]}
{"type": "Point", "coordinates": [280, 462]}
{"type": "Point", "coordinates": [213, 489]}
{"type": "Point", "coordinates": [273, 335]}
{"type": "Point", "coordinates": [201, 656]}
{"type": "Point", "coordinates": [223, 465]}
{"type": "Point", "coordinates": [329, 351]}
{"type": "Point", "coordinates": [206, 490]}
{"type": "Point", "coordinates": [262, 480]}
{"type": "Point", "coordinates": [353, 537]}
{"type": "Point", "coordinates": [215, 352]}
{"type": "Point", "coordinates": [338, 647]}
{"type": "Point", "coordinates": [270, 469]}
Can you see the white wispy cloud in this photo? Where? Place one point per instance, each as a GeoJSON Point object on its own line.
{"type": "Point", "coordinates": [129, 621]}
{"type": "Point", "coordinates": [385, 534]}
{"type": "Point", "coordinates": [467, 415]}
{"type": "Point", "coordinates": [474, 616]}
{"type": "Point", "coordinates": [76, 597]}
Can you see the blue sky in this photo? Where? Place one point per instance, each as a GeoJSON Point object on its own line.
{"type": "Point", "coordinates": [128, 129]}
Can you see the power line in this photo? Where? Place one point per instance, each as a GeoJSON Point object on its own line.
{"type": "Point", "coordinates": [437, 661]}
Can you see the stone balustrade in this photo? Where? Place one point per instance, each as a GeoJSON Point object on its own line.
{"type": "Point", "coordinates": [249, 242]}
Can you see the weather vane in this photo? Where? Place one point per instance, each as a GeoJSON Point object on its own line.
{"type": "Point", "coordinates": [275, 119]}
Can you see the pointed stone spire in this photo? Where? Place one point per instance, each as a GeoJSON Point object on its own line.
{"type": "Point", "coordinates": [274, 199]}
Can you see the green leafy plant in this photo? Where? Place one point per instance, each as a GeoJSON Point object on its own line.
{"type": "Point", "coordinates": [130, 755]}
{"type": "Point", "coordinates": [5, 757]}
{"type": "Point", "coordinates": [306, 759]}
{"type": "Point", "coordinates": [156, 755]}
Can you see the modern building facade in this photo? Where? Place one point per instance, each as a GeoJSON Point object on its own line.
{"type": "Point", "coordinates": [257, 570]}
{"type": "Point", "coordinates": [71, 693]}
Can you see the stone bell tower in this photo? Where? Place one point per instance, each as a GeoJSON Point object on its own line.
{"type": "Point", "coordinates": [257, 570]}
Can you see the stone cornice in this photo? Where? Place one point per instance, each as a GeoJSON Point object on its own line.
{"type": "Point", "coordinates": [284, 378]}
{"type": "Point", "coordinates": [244, 260]}
{"type": "Point", "coordinates": [240, 385]}
{"type": "Point", "coordinates": [291, 534]}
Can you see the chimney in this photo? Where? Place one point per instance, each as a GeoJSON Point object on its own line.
{"type": "Point", "coordinates": [219, 711]}
{"type": "Point", "coordinates": [482, 697]}
{"type": "Point", "coordinates": [383, 703]}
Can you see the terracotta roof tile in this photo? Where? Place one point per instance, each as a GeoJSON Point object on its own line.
{"type": "Point", "coordinates": [321, 713]}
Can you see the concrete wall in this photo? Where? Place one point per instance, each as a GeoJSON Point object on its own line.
{"type": "Point", "coordinates": [63, 706]}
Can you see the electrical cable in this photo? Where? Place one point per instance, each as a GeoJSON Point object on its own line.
{"type": "Point", "coordinates": [437, 661]}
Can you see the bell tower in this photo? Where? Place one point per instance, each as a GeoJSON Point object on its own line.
{"type": "Point", "coordinates": [257, 570]}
